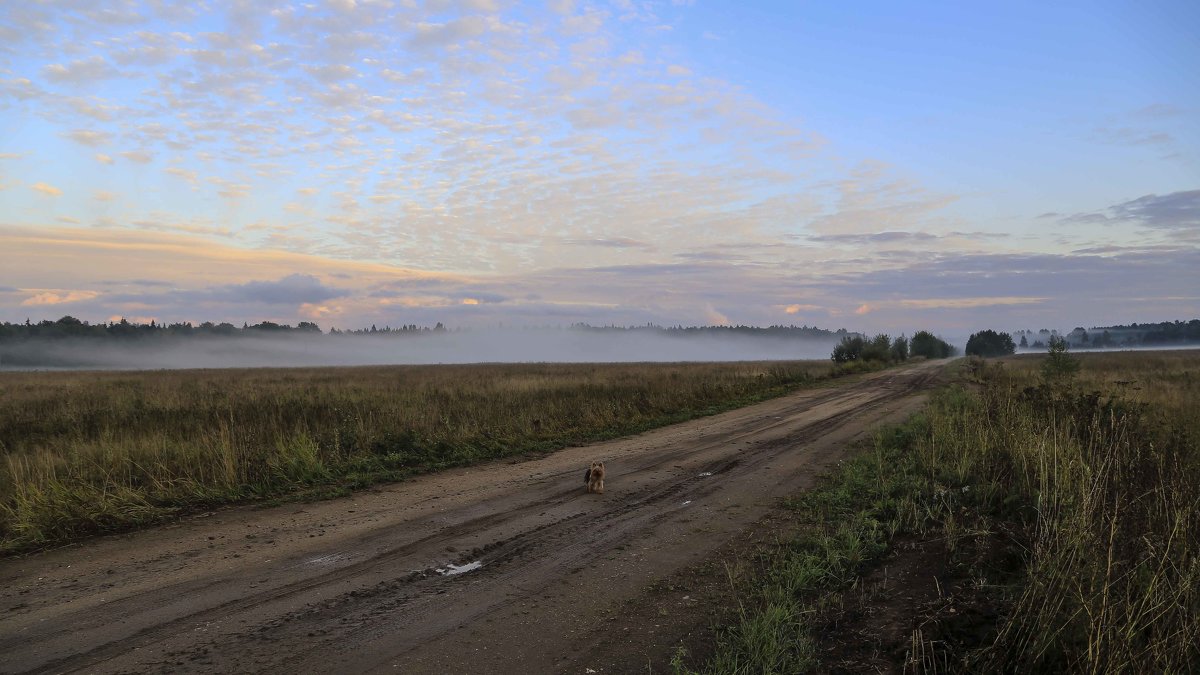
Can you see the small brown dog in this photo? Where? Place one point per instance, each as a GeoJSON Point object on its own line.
{"type": "Point", "coordinates": [594, 477]}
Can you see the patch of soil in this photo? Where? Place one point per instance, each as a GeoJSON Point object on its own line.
{"type": "Point", "coordinates": [678, 616]}
{"type": "Point", "coordinates": [921, 609]}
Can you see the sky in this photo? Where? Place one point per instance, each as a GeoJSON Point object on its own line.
{"type": "Point", "coordinates": [878, 166]}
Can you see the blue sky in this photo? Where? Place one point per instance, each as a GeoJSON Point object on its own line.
{"type": "Point", "coordinates": [879, 166]}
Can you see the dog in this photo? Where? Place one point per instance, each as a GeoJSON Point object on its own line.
{"type": "Point", "coordinates": [594, 478]}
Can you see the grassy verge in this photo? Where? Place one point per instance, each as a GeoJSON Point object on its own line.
{"type": "Point", "coordinates": [1072, 507]}
{"type": "Point", "coordinates": [89, 452]}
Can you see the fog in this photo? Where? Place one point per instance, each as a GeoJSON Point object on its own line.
{"type": "Point", "coordinates": [494, 346]}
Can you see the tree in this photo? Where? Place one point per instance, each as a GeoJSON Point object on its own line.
{"type": "Point", "coordinates": [900, 349]}
{"type": "Point", "coordinates": [990, 343]}
{"type": "Point", "coordinates": [925, 344]}
{"type": "Point", "coordinates": [849, 349]}
{"type": "Point", "coordinates": [878, 349]}
{"type": "Point", "coordinates": [1059, 365]}
{"type": "Point", "coordinates": [1024, 342]}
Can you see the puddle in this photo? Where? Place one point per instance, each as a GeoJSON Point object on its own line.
{"type": "Point", "coordinates": [706, 474]}
{"type": "Point", "coordinates": [327, 560]}
{"type": "Point", "coordinates": [452, 569]}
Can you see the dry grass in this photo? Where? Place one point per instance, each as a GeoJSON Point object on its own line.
{"type": "Point", "coordinates": [83, 452]}
{"type": "Point", "coordinates": [1113, 572]}
{"type": "Point", "coordinates": [1074, 503]}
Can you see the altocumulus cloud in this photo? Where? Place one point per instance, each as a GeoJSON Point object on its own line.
{"type": "Point", "coordinates": [47, 189]}
{"type": "Point", "coordinates": [294, 289]}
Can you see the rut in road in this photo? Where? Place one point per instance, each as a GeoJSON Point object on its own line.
{"type": "Point", "coordinates": [433, 562]}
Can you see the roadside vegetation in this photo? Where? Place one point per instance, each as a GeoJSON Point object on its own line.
{"type": "Point", "coordinates": [89, 452]}
{"type": "Point", "coordinates": [1048, 514]}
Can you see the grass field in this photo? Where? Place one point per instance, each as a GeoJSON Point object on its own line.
{"type": "Point", "coordinates": [1063, 518]}
{"type": "Point", "coordinates": [87, 452]}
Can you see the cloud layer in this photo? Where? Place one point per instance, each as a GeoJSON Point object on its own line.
{"type": "Point", "coordinates": [478, 162]}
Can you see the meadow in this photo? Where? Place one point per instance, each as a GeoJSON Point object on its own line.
{"type": "Point", "coordinates": [90, 452]}
{"type": "Point", "coordinates": [1060, 511]}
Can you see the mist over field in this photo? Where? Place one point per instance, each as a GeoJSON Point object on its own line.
{"type": "Point", "coordinates": [491, 346]}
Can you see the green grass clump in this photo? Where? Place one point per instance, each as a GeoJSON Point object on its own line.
{"type": "Point", "coordinates": [88, 452]}
{"type": "Point", "coordinates": [1089, 480]}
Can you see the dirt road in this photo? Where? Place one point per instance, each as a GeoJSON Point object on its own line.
{"type": "Point", "coordinates": [506, 567]}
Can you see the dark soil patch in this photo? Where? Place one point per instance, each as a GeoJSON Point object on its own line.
{"type": "Point", "coordinates": [921, 609]}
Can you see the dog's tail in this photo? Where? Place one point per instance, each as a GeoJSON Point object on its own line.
{"type": "Point", "coordinates": [587, 475]}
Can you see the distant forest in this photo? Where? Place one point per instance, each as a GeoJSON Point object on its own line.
{"type": "Point", "coordinates": [71, 327]}
{"type": "Point", "coordinates": [1132, 335]}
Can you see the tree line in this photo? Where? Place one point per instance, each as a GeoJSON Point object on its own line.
{"type": "Point", "coordinates": [71, 327]}
{"type": "Point", "coordinates": [883, 349]}
{"type": "Point", "coordinates": [1122, 335]}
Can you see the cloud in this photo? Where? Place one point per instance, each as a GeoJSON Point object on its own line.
{"type": "Point", "coordinates": [47, 189]}
{"type": "Point", "coordinates": [616, 242]}
{"type": "Point", "coordinates": [294, 289]}
{"type": "Point", "coordinates": [876, 198]}
{"type": "Point", "coordinates": [1132, 136]}
{"type": "Point", "coordinates": [873, 238]}
{"type": "Point", "coordinates": [80, 71]}
{"type": "Point", "coordinates": [583, 24]}
{"type": "Point", "coordinates": [964, 303]}
{"type": "Point", "coordinates": [569, 162]}
{"type": "Point", "coordinates": [1177, 210]}
{"type": "Point", "coordinates": [433, 35]}
{"type": "Point", "coordinates": [138, 156]}
{"type": "Point", "coordinates": [58, 298]}
{"type": "Point", "coordinates": [1158, 110]}
{"type": "Point", "coordinates": [90, 137]}
{"type": "Point", "coordinates": [715, 318]}
{"type": "Point", "coordinates": [318, 312]}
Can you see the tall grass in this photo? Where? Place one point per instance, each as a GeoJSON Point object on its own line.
{"type": "Point", "coordinates": [1113, 572]}
{"type": "Point", "coordinates": [95, 451]}
{"type": "Point", "coordinates": [1092, 482]}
